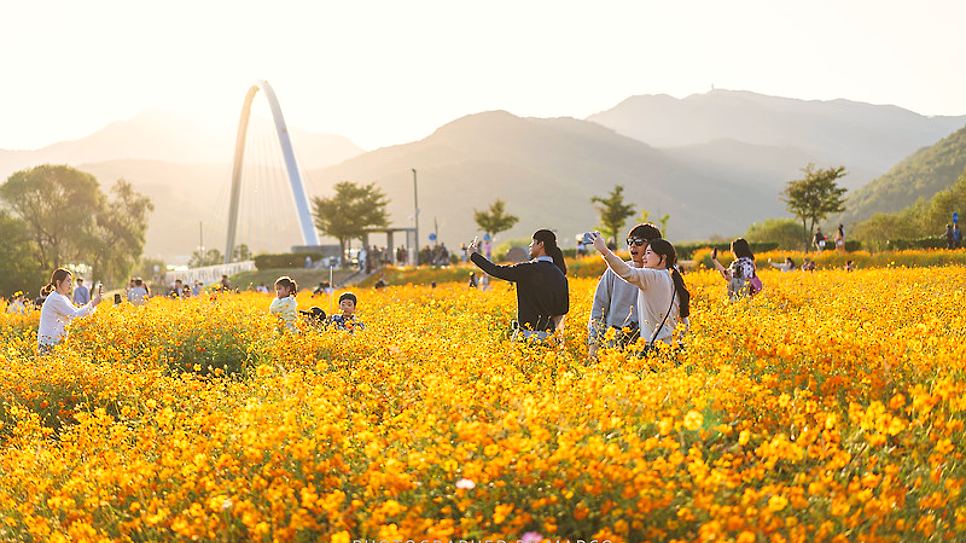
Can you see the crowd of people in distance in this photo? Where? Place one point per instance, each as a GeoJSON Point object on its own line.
{"type": "Point", "coordinates": [643, 298]}
{"type": "Point", "coordinates": [62, 300]}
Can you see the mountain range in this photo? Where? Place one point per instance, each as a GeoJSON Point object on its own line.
{"type": "Point", "coordinates": [715, 162]}
{"type": "Point", "coordinates": [867, 139]}
{"type": "Point", "coordinates": [167, 137]}
{"type": "Point", "coordinates": [547, 170]}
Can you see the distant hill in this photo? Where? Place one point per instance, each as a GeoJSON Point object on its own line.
{"type": "Point", "coordinates": [162, 136]}
{"type": "Point", "coordinates": [715, 162]}
{"type": "Point", "coordinates": [547, 170]}
{"type": "Point", "coordinates": [760, 167]}
{"type": "Point", "coordinates": [921, 175]}
{"type": "Point", "coordinates": [867, 139]}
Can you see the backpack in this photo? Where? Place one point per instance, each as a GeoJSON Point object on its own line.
{"type": "Point", "coordinates": [754, 284]}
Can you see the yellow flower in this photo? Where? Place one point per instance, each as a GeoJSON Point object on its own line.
{"type": "Point", "coordinates": [693, 420]}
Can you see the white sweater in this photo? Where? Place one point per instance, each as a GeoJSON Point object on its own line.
{"type": "Point", "coordinates": [654, 297]}
{"type": "Point", "coordinates": [55, 315]}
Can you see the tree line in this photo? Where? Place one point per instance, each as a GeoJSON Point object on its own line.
{"type": "Point", "coordinates": [355, 208]}
{"type": "Point", "coordinates": [55, 215]}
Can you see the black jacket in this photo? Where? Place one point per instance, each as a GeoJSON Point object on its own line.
{"type": "Point", "coordinates": [542, 290]}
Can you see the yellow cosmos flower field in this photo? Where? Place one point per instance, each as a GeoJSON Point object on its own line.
{"type": "Point", "coordinates": [828, 408]}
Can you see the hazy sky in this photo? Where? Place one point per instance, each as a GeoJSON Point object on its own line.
{"type": "Point", "coordinates": [390, 72]}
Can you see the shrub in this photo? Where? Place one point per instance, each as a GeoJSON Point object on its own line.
{"type": "Point", "coordinates": [921, 243]}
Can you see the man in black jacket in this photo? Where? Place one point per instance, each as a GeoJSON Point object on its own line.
{"type": "Point", "coordinates": [543, 295]}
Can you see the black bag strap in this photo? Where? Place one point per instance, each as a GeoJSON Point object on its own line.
{"type": "Point", "coordinates": [657, 330]}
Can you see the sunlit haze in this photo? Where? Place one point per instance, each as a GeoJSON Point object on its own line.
{"type": "Point", "coordinates": [382, 73]}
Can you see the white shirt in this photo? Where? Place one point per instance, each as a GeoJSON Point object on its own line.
{"type": "Point", "coordinates": [55, 315]}
{"type": "Point", "coordinates": [655, 296]}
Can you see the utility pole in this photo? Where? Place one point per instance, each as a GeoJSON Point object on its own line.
{"type": "Point", "coordinates": [201, 237]}
{"type": "Point", "coordinates": [415, 219]}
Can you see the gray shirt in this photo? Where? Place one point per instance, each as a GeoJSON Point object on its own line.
{"type": "Point", "coordinates": [615, 304]}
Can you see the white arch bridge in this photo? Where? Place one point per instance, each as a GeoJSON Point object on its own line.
{"type": "Point", "coordinates": [310, 238]}
{"type": "Point", "coordinates": [304, 214]}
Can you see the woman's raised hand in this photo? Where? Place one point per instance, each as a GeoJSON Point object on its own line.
{"type": "Point", "coordinates": [474, 246]}
{"type": "Point", "coordinates": [599, 243]}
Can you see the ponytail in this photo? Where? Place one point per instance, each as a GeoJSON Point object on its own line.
{"type": "Point", "coordinates": [288, 283]}
{"type": "Point", "coordinates": [558, 259]}
{"type": "Point", "coordinates": [56, 278]}
{"type": "Point", "coordinates": [549, 240]}
{"type": "Point", "coordinates": [664, 248]}
{"type": "Point", "coordinates": [684, 307]}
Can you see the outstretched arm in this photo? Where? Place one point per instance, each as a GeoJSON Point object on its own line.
{"type": "Point", "coordinates": [717, 265]}
{"type": "Point", "coordinates": [507, 273]}
{"type": "Point", "coordinates": [63, 307]}
{"type": "Point", "coordinates": [634, 276]}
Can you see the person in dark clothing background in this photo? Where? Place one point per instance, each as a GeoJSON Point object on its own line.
{"type": "Point", "coordinates": [543, 294]}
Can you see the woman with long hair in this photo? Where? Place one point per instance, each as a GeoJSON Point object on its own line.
{"type": "Point", "coordinates": [615, 300]}
{"type": "Point", "coordinates": [662, 298]}
{"type": "Point", "coordinates": [742, 272]}
{"type": "Point", "coordinates": [543, 294]}
{"type": "Point", "coordinates": [58, 311]}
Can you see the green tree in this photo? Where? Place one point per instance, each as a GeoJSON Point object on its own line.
{"type": "Point", "coordinates": [69, 221]}
{"type": "Point", "coordinates": [495, 219]}
{"type": "Point", "coordinates": [938, 212]}
{"type": "Point", "coordinates": [241, 252]}
{"type": "Point", "coordinates": [787, 233]}
{"type": "Point", "coordinates": [924, 218]}
{"type": "Point", "coordinates": [875, 231]}
{"type": "Point", "coordinates": [119, 233]}
{"type": "Point", "coordinates": [18, 267]}
{"type": "Point", "coordinates": [613, 212]}
{"type": "Point", "coordinates": [351, 211]}
{"type": "Point", "coordinates": [645, 216]}
{"type": "Point", "coordinates": [59, 206]}
{"type": "Point", "coordinates": [815, 197]}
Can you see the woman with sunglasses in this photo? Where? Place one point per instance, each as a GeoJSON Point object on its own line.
{"type": "Point", "coordinates": [662, 298]}
{"type": "Point", "coordinates": [615, 300]}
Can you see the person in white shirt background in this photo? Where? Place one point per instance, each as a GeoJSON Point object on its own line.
{"type": "Point", "coordinates": [58, 311]}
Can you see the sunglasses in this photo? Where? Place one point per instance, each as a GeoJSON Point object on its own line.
{"type": "Point", "coordinates": [636, 241]}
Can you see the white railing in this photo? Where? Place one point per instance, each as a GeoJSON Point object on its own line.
{"type": "Point", "coordinates": [208, 274]}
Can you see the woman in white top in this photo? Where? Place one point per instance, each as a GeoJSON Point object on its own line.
{"type": "Point", "coordinates": [58, 311]}
{"type": "Point", "coordinates": [662, 297]}
{"type": "Point", "coordinates": [786, 266]}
